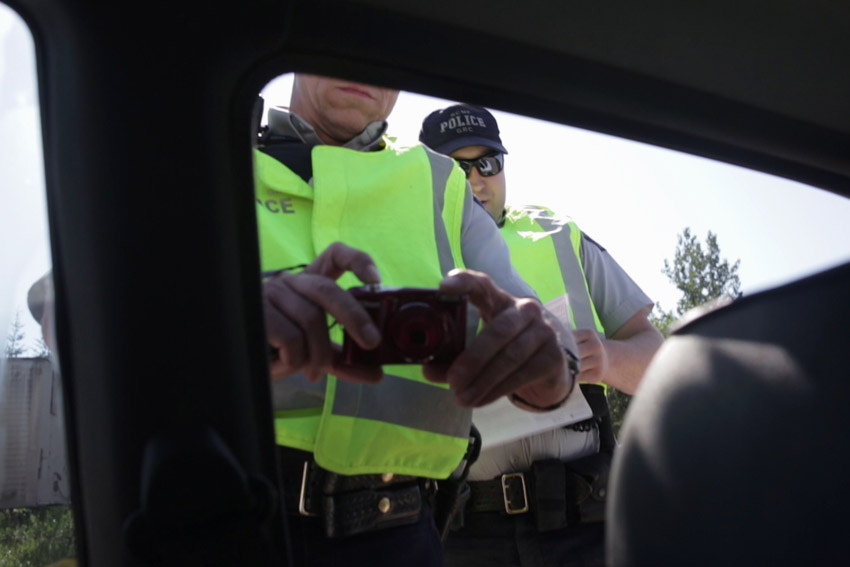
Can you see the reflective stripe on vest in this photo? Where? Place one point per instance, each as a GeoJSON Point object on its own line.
{"type": "Point", "coordinates": [404, 208]}
{"type": "Point", "coordinates": [546, 252]}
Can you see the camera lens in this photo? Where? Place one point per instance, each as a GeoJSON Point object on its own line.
{"type": "Point", "coordinates": [418, 331]}
{"type": "Point", "coordinates": [417, 338]}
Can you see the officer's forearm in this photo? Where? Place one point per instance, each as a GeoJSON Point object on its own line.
{"type": "Point", "coordinates": [628, 359]}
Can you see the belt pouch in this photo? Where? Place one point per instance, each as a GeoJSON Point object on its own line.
{"type": "Point", "coordinates": [593, 470]}
{"type": "Point", "coordinates": [357, 512]}
{"type": "Point", "coordinates": [450, 500]}
{"type": "Point", "coordinates": [550, 500]}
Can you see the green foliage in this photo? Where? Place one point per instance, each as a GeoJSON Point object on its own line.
{"type": "Point", "coordinates": [40, 350]}
{"type": "Point", "coordinates": [36, 537]}
{"type": "Point", "coordinates": [700, 274]}
{"type": "Point", "coordinates": [703, 278]}
{"type": "Point", "coordinates": [618, 403]}
{"type": "Point", "coordinates": [16, 346]}
{"type": "Point", "coordinates": [15, 339]}
{"type": "Point", "coordinates": [662, 320]}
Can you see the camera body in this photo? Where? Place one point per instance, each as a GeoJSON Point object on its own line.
{"type": "Point", "coordinates": [417, 325]}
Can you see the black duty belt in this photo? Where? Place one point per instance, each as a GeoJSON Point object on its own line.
{"type": "Point", "coordinates": [350, 504]}
{"type": "Point", "coordinates": [557, 494]}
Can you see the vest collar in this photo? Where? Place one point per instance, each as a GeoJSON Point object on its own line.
{"type": "Point", "coordinates": [285, 123]}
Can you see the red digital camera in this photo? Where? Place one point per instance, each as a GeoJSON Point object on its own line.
{"type": "Point", "coordinates": [417, 325]}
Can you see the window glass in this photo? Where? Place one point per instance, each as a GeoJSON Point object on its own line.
{"type": "Point", "coordinates": [657, 213]}
{"type": "Point", "coordinates": [635, 199]}
{"type": "Point", "coordinates": [36, 526]}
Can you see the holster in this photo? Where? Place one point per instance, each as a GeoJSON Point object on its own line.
{"type": "Point", "coordinates": [558, 494]}
{"type": "Point", "coordinates": [453, 493]}
{"type": "Point", "coordinates": [449, 502]}
{"type": "Point", "coordinates": [567, 494]}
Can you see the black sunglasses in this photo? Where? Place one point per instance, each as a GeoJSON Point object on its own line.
{"type": "Point", "coordinates": [487, 166]}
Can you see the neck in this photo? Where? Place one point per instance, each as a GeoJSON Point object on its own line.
{"type": "Point", "coordinates": [304, 114]}
{"type": "Point", "coordinates": [327, 137]}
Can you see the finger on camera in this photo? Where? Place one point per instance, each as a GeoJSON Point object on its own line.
{"type": "Point", "coordinates": [509, 338]}
{"type": "Point", "coordinates": [520, 360]}
{"type": "Point", "coordinates": [297, 324]}
{"type": "Point", "coordinates": [479, 288]}
{"type": "Point", "coordinates": [436, 372]}
{"type": "Point", "coordinates": [540, 361]}
{"type": "Point", "coordinates": [286, 341]}
{"type": "Point", "coordinates": [499, 348]}
{"type": "Point", "coordinates": [342, 306]}
{"type": "Point", "coordinates": [502, 345]}
{"type": "Point", "coordinates": [280, 369]}
{"type": "Point", "coordinates": [339, 258]}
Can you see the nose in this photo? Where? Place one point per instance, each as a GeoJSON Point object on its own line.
{"type": "Point", "coordinates": [475, 181]}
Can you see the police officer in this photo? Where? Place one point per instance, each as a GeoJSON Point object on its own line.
{"type": "Point", "coordinates": [540, 500]}
{"type": "Point", "coordinates": [339, 206]}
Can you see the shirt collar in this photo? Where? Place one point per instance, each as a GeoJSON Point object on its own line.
{"type": "Point", "coordinates": [285, 123]}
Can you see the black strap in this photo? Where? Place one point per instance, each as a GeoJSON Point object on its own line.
{"type": "Point", "coordinates": [596, 398]}
{"type": "Point", "coordinates": [598, 402]}
{"type": "Point", "coordinates": [291, 152]}
{"type": "Point", "coordinates": [259, 106]}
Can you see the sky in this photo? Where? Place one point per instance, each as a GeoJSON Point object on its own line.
{"type": "Point", "coordinates": [634, 199]}
{"type": "Point", "coordinates": [23, 226]}
{"type": "Point", "coordinates": [630, 197]}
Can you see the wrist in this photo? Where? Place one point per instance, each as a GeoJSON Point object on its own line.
{"type": "Point", "coordinates": [572, 370]}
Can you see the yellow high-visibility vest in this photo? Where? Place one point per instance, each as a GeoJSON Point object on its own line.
{"type": "Point", "coordinates": [403, 207]}
{"type": "Point", "coordinates": [546, 251]}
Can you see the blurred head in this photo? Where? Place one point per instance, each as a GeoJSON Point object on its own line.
{"type": "Point", "coordinates": [339, 110]}
{"type": "Point", "coordinates": [470, 134]}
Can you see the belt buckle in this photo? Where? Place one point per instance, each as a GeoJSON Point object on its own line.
{"type": "Point", "coordinates": [506, 480]}
{"type": "Point", "coordinates": [302, 508]}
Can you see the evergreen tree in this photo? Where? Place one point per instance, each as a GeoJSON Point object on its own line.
{"type": "Point", "coordinates": [703, 277]}
{"type": "Point", "coordinates": [15, 347]}
{"type": "Point", "coordinates": [700, 274]}
{"type": "Point", "coordinates": [40, 350]}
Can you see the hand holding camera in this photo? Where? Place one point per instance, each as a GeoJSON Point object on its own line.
{"type": "Point", "coordinates": [296, 310]}
{"type": "Point", "coordinates": [417, 325]}
{"type": "Point", "coordinates": [520, 350]}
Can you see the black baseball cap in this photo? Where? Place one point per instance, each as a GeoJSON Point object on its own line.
{"type": "Point", "coordinates": [458, 126]}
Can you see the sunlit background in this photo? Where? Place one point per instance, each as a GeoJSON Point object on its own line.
{"type": "Point", "coordinates": [634, 198]}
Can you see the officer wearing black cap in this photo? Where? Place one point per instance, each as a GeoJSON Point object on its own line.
{"type": "Point", "coordinates": [540, 500]}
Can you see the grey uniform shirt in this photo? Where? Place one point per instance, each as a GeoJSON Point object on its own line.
{"type": "Point", "coordinates": [482, 246]}
{"type": "Point", "coordinates": [616, 296]}
{"type": "Point", "coordinates": [617, 299]}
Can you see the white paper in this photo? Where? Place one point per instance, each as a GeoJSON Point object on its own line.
{"type": "Point", "coordinates": [502, 422]}
{"type": "Point", "coordinates": [560, 308]}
